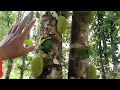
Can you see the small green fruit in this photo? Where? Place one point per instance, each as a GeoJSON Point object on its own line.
{"type": "Point", "coordinates": [37, 14]}
{"type": "Point", "coordinates": [37, 66]}
{"type": "Point", "coordinates": [91, 72]}
{"type": "Point", "coordinates": [62, 24]}
{"type": "Point", "coordinates": [28, 42]}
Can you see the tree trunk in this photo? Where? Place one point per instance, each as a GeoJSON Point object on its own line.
{"type": "Point", "coordinates": [79, 57]}
{"type": "Point", "coordinates": [53, 56]}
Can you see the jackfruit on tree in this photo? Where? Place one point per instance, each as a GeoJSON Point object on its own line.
{"type": "Point", "coordinates": [37, 66]}
{"type": "Point", "coordinates": [88, 17]}
{"type": "Point", "coordinates": [62, 24]}
{"type": "Point", "coordinates": [91, 72]}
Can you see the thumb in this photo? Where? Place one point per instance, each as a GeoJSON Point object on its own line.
{"type": "Point", "coordinates": [29, 49]}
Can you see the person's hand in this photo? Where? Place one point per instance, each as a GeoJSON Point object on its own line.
{"type": "Point", "coordinates": [12, 45]}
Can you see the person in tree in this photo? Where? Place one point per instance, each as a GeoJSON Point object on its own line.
{"type": "Point", "coordinates": [12, 45]}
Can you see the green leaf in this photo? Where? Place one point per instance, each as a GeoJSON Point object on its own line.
{"type": "Point", "coordinates": [66, 14]}
{"type": "Point", "coordinates": [43, 40]}
{"type": "Point", "coordinates": [28, 42]}
{"type": "Point", "coordinates": [37, 14]}
{"type": "Point", "coordinates": [90, 49]}
{"type": "Point", "coordinates": [62, 24]}
{"type": "Point", "coordinates": [83, 54]}
{"type": "Point", "coordinates": [47, 45]}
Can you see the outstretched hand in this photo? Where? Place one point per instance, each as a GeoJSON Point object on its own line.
{"type": "Point", "coordinates": [12, 45]}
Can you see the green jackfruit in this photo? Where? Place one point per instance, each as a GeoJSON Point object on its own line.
{"type": "Point", "coordinates": [91, 72]}
{"type": "Point", "coordinates": [37, 66]}
{"type": "Point", "coordinates": [62, 24]}
{"type": "Point", "coordinates": [88, 17]}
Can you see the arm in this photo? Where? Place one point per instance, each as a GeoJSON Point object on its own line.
{"type": "Point", "coordinates": [12, 45]}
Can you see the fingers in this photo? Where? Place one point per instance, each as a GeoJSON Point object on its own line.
{"type": "Point", "coordinates": [15, 28]}
{"type": "Point", "coordinates": [27, 29]}
{"type": "Point", "coordinates": [10, 30]}
{"type": "Point", "coordinates": [29, 49]}
{"type": "Point", "coordinates": [22, 25]}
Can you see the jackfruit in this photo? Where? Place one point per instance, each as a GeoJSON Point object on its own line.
{"type": "Point", "coordinates": [88, 17]}
{"type": "Point", "coordinates": [91, 72]}
{"type": "Point", "coordinates": [37, 66]}
{"type": "Point", "coordinates": [62, 24]}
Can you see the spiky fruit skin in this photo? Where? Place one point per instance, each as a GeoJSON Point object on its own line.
{"type": "Point", "coordinates": [37, 66]}
{"type": "Point", "coordinates": [88, 17]}
{"type": "Point", "coordinates": [91, 72]}
{"type": "Point", "coordinates": [61, 24]}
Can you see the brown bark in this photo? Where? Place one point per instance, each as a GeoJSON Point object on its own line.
{"type": "Point", "coordinates": [51, 70]}
{"type": "Point", "coordinates": [79, 42]}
